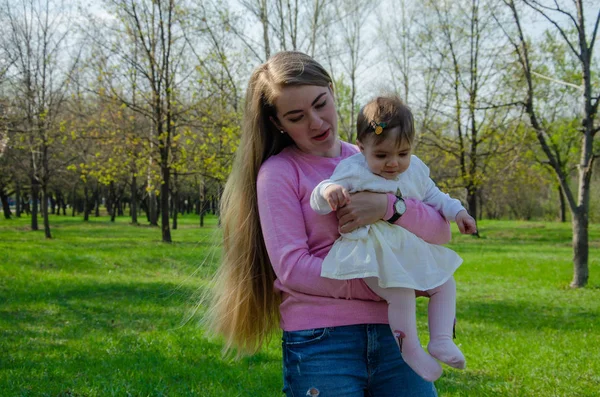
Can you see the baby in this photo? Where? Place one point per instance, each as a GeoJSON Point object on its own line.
{"type": "Point", "coordinates": [393, 261]}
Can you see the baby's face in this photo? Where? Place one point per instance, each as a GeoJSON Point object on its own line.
{"type": "Point", "coordinates": [386, 159]}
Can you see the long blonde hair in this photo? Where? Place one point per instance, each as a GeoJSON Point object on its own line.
{"type": "Point", "coordinates": [245, 307]}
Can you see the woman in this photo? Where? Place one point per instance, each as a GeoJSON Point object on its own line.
{"type": "Point", "coordinates": [336, 341]}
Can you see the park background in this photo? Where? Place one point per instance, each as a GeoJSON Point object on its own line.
{"type": "Point", "coordinates": [119, 121]}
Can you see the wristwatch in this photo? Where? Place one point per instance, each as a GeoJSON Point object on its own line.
{"type": "Point", "coordinates": [399, 209]}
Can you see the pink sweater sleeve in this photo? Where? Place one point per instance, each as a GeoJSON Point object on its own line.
{"type": "Point", "coordinates": [422, 220]}
{"type": "Point", "coordinates": [286, 234]}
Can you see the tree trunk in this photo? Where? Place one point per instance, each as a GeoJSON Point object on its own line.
{"type": "Point", "coordinates": [58, 195]}
{"type": "Point", "coordinates": [563, 204]}
{"type": "Point", "coordinates": [109, 199]}
{"type": "Point", "coordinates": [152, 215]}
{"type": "Point", "coordinates": [472, 201]}
{"type": "Point", "coordinates": [472, 193]}
{"type": "Point", "coordinates": [164, 202]}
{"type": "Point", "coordinates": [5, 205]}
{"type": "Point", "coordinates": [86, 211]}
{"type": "Point", "coordinates": [97, 200]}
{"type": "Point", "coordinates": [52, 203]}
{"type": "Point", "coordinates": [203, 203]}
{"type": "Point", "coordinates": [580, 248]}
{"type": "Point", "coordinates": [113, 212]}
{"type": "Point", "coordinates": [73, 199]}
{"type": "Point", "coordinates": [18, 199]}
{"type": "Point", "coordinates": [264, 19]}
{"type": "Point", "coordinates": [45, 214]}
{"type": "Point", "coordinates": [134, 204]}
{"type": "Point", "coordinates": [25, 201]}
{"type": "Point", "coordinates": [175, 201]}
{"type": "Point", "coordinates": [63, 204]}
{"type": "Point", "coordinates": [175, 213]}
{"type": "Point", "coordinates": [35, 195]}
{"type": "Point", "coordinates": [111, 203]}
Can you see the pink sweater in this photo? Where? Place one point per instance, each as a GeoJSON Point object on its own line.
{"type": "Point", "coordinates": [297, 240]}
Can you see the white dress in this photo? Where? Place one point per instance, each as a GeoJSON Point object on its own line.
{"type": "Point", "coordinates": [397, 257]}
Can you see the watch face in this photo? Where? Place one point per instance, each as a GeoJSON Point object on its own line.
{"type": "Point", "coordinates": [400, 207]}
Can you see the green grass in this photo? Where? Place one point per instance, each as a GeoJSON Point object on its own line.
{"type": "Point", "coordinates": [100, 311]}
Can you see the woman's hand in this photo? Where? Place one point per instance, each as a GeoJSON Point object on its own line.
{"type": "Point", "coordinates": [364, 209]}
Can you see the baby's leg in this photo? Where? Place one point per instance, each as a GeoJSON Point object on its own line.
{"type": "Point", "coordinates": [402, 318]}
{"type": "Point", "coordinates": [442, 311]}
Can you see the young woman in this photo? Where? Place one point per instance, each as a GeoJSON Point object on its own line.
{"type": "Point", "coordinates": [336, 341]}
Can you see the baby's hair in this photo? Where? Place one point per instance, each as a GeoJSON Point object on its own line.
{"type": "Point", "coordinates": [389, 112]}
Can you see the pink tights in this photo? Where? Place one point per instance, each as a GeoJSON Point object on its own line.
{"type": "Point", "coordinates": [441, 314]}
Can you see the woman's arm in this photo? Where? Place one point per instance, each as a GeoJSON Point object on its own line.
{"type": "Point", "coordinates": [422, 220]}
{"type": "Point", "coordinates": [286, 237]}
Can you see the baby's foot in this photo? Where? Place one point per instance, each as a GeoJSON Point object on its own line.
{"type": "Point", "coordinates": [447, 352]}
{"type": "Point", "coordinates": [421, 362]}
{"type": "Point", "coordinates": [416, 358]}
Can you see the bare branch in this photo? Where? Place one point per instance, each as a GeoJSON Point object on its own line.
{"type": "Point", "coordinates": [539, 8]}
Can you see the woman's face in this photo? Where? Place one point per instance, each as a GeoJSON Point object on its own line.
{"type": "Point", "coordinates": [307, 114]}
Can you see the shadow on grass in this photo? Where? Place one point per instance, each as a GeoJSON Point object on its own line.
{"type": "Point", "coordinates": [528, 315]}
{"type": "Point", "coordinates": [177, 365]}
{"type": "Point", "coordinates": [468, 383]}
{"type": "Point", "coordinates": [76, 310]}
{"type": "Point", "coordinates": [119, 339]}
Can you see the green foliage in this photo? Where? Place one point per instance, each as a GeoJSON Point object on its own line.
{"type": "Point", "coordinates": [100, 311]}
{"type": "Point", "coordinates": [346, 114]}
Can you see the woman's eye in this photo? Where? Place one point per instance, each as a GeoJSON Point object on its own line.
{"type": "Point", "coordinates": [320, 105]}
{"type": "Point", "coordinates": [295, 119]}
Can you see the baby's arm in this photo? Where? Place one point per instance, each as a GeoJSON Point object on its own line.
{"type": "Point", "coordinates": [333, 193]}
{"type": "Point", "coordinates": [318, 202]}
{"type": "Point", "coordinates": [450, 207]}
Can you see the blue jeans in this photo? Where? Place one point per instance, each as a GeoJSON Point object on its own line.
{"type": "Point", "coordinates": [349, 361]}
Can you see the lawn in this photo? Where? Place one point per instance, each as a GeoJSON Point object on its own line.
{"type": "Point", "coordinates": [103, 309]}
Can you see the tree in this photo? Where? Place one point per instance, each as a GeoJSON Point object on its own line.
{"type": "Point", "coordinates": [351, 60]}
{"type": "Point", "coordinates": [38, 34]}
{"type": "Point", "coordinates": [569, 21]}
{"type": "Point", "coordinates": [286, 25]}
{"type": "Point", "coordinates": [155, 32]}
{"type": "Point", "coordinates": [467, 130]}
{"type": "Point", "coordinates": [6, 173]}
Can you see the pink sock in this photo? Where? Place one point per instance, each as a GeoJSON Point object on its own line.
{"type": "Point", "coordinates": [442, 311]}
{"type": "Point", "coordinates": [403, 322]}
{"type": "Point", "coordinates": [416, 358]}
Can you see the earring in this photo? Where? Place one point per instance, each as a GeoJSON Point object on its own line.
{"type": "Point", "coordinates": [282, 131]}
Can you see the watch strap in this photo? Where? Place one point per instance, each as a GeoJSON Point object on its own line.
{"type": "Point", "coordinates": [390, 206]}
{"type": "Point", "coordinates": [396, 215]}
{"type": "Point", "coordinates": [394, 218]}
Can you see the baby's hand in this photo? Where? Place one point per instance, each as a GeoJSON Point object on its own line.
{"type": "Point", "coordinates": [466, 223]}
{"type": "Point", "coordinates": [337, 196]}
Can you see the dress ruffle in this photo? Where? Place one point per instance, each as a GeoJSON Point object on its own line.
{"type": "Point", "coordinates": [397, 257]}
